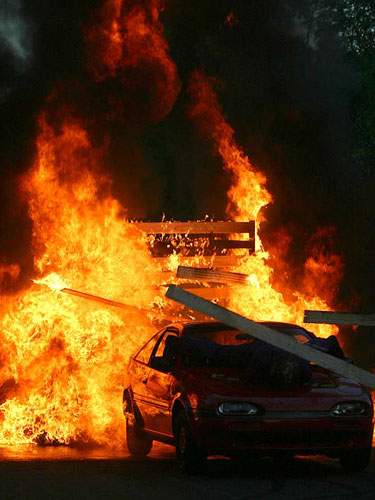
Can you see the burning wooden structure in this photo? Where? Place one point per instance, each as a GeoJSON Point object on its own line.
{"type": "Point", "coordinates": [218, 245]}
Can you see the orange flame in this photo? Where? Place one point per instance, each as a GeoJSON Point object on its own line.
{"type": "Point", "coordinates": [247, 196]}
{"type": "Point", "coordinates": [8, 274]}
{"type": "Point", "coordinates": [63, 359]}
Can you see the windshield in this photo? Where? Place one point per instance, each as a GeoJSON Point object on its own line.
{"type": "Point", "coordinates": [225, 335]}
{"type": "Point", "coordinates": [218, 333]}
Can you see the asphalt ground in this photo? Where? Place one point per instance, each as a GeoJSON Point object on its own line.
{"type": "Point", "coordinates": [67, 473]}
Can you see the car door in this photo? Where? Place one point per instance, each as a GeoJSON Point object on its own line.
{"type": "Point", "coordinates": [160, 389]}
{"type": "Point", "coordinates": [141, 370]}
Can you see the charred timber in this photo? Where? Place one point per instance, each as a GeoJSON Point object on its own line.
{"type": "Point", "coordinates": [339, 318]}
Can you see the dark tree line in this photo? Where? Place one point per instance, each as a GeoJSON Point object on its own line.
{"type": "Point", "coordinates": [354, 24]}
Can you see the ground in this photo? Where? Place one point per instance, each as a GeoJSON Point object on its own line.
{"type": "Point", "coordinates": [63, 473]}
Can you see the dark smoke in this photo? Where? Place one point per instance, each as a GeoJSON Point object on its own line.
{"type": "Point", "coordinates": [288, 100]}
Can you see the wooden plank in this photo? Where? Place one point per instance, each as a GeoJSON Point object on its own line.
{"type": "Point", "coordinates": [207, 292]}
{"type": "Point", "coordinates": [108, 302]}
{"type": "Point", "coordinates": [194, 227]}
{"type": "Point", "coordinates": [270, 336]}
{"type": "Point", "coordinates": [339, 318]}
{"type": "Point", "coordinates": [206, 274]}
{"type": "Point", "coordinates": [234, 244]}
{"type": "Point", "coordinates": [212, 292]}
{"type": "Point", "coordinates": [214, 261]}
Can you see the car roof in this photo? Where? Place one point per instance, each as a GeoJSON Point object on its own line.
{"type": "Point", "coordinates": [208, 325]}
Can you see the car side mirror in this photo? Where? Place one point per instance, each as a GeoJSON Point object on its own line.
{"type": "Point", "coordinates": [161, 364]}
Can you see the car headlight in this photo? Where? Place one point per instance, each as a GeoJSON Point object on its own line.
{"type": "Point", "coordinates": [350, 409]}
{"type": "Point", "coordinates": [237, 408]}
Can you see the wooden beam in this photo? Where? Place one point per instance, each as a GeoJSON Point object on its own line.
{"type": "Point", "coordinates": [108, 302]}
{"type": "Point", "coordinates": [207, 292]}
{"type": "Point", "coordinates": [270, 336]}
{"type": "Point", "coordinates": [196, 227]}
{"type": "Point", "coordinates": [210, 292]}
{"type": "Point", "coordinates": [206, 274]}
{"type": "Point", "coordinates": [219, 245]}
{"type": "Point", "coordinates": [214, 261]}
{"type": "Point", "coordinates": [339, 318]}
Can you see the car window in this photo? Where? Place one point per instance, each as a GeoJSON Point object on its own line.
{"type": "Point", "coordinates": [160, 347]}
{"type": "Point", "coordinates": [145, 353]}
{"type": "Point", "coordinates": [223, 337]}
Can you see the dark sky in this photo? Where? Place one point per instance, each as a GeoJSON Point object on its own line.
{"type": "Point", "coordinates": [289, 102]}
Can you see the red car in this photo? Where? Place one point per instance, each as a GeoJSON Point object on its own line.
{"type": "Point", "coordinates": [210, 410]}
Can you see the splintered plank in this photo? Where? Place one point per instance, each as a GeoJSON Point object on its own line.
{"type": "Point", "coordinates": [206, 274]}
{"type": "Point", "coordinates": [270, 336]}
{"type": "Point", "coordinates": [339, 318]}
{"type": "Point", "coordinates": [196, 227]}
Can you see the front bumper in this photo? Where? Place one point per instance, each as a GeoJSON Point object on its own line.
{"type": "Point", "coordinates": [221, 435]}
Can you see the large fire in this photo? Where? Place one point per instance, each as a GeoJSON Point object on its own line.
{"type": "Point", "coordinates": [63, 359]}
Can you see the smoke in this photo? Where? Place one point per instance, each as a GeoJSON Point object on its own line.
{"type": "Point", "coordinates": [15, 33]}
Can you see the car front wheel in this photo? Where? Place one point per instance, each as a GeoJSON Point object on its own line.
{"type": "Point", "coordinates": [190, 457]}
{"type": "Point", "coordinates": [138, 442]}
{"type": "Point", "coordinates": [354, 461]}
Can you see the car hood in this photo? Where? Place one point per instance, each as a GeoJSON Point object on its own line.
{"type": "Point", "coordinates": [325, 389]}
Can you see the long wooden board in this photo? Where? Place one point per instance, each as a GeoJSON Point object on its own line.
{"type": "Point", "coordinates": [108, 302]}
{"type": "Point", "coordinates": [194, 227]}
{"type": "Point", "coordinates": [270, 336]}
{"type": "Point", "coordinates": [206, 274]}
{"type": "Point", "coordinates": [339, 318]}
{"type": "Point", "coordinates": [102, 300]}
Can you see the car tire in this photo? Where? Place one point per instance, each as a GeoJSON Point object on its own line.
{"type": "Point", "coordinates": [190, 457]}
{"type": "Point", "coordinates": [138, 442]}
{"type": "Point", "coordinates": [355, 461]}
